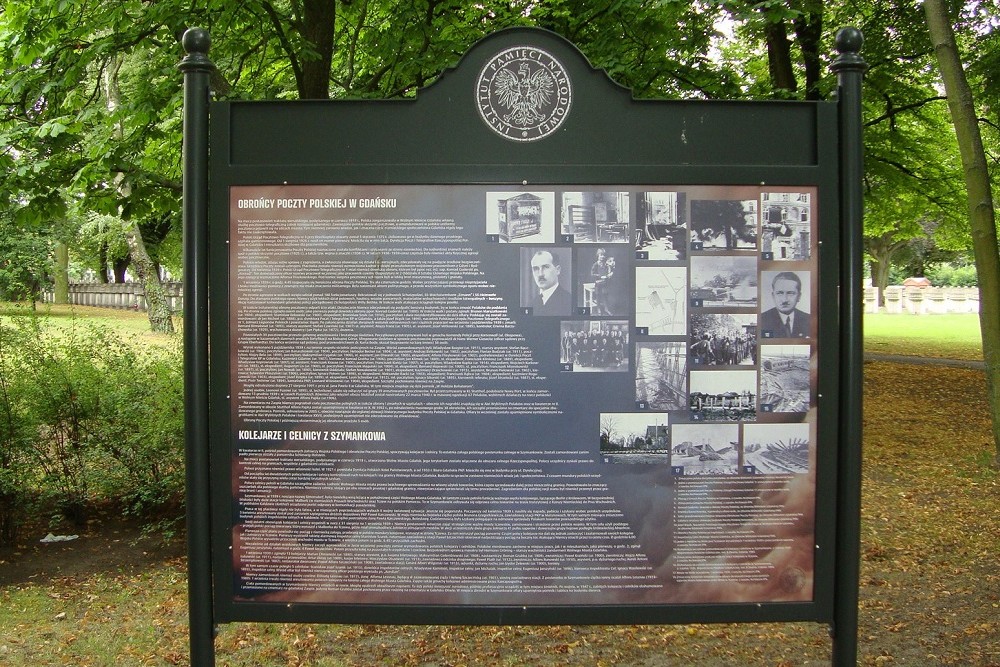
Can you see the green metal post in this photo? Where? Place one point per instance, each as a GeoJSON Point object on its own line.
{"type": "Point", "coordinates": [849, 67]}
{"type": "Point", "coordinates": [197, 69]}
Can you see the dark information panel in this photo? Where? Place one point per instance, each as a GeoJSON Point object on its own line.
{"type": "Point", "coordinates": [570, 362]}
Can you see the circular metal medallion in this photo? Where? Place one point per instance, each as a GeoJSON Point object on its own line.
{"type": "Point", "coordinates": [523, 93]}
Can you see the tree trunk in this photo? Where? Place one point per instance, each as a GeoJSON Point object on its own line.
{"type": "Point", "coordinates": [118, 268]}
{"type": "Point", "coordinates": [982, 216]}
{"type": "Point", "coordinates": [60, 274]}
{"type": "Point", "coordinates": [779, 57]}
{"type": "Point", "coordinates": [880, 278]}
{"type": "Point", "coordinates": [809, 34]}
{"type": "Point", "coordinates": [881, 249]}
{"type": "Point", "coordinates": [318, 22]}
{"type": "Point", "coordinates": [157, 307]}
{"type": "Point", "coordinates": [102, 272]}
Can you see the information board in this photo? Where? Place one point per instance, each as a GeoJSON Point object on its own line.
{"type": "Point", "coordinates": [527, 350]}
{"type": "Point", "coordinates": [511, 397]}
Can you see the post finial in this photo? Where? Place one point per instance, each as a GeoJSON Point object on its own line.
{"type": "Point", "coordinates": [849, 42]}
{"type": "Point", "coordinates": [196, 42]}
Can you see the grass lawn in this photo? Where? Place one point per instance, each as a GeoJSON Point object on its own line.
{"type": "Point", "coordinates": [129, 322]}
{"type": "Point", "coordinates": [930, 591]}
{"type": "Point", "coordinates": [946, 336]}
{"type": "Point", "coordinates": [929, 586]}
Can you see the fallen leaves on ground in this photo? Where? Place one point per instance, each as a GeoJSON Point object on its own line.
{"type": "Point", "coordinates": [930, 585]}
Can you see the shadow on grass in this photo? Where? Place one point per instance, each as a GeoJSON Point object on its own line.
{"type": "Point", "coordinates": [109, 545]}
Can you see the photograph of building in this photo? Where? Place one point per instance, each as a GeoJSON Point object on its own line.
{"type": "Point", "coordinates": [723, 395]}
{"type": "Point", "coordinates": [785, 225]}
{"type": "Point", "coordinates": [635, 437]}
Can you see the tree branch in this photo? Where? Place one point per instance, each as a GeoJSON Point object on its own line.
{"type": "Point", "coordinates": [286, 45]}
{"type": "Point", "coordinates": [894, 111]}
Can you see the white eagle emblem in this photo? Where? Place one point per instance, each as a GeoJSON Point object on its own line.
{"type": "Point", "coordinates": [524, 94]}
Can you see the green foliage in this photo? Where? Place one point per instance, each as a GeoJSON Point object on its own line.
{"type": "Point", "coordinates": [67, 66]}
{"type": "Point", "coordinates": [950, 275]}
{"type": "Point", "coordinates": [87, 417]}
{"type": "Point", "coordinates": [24, 263]}
{"type": "Point", "coordinates": [141, 428]}
{"type": "Point", "coordinates": [92, 95]}
{"type": "Point", "coordinates": [101, 239]}
{"type": "Point", "coordinates": [912, 172]}
{"type": "Point", "coordinates": [16, 428]}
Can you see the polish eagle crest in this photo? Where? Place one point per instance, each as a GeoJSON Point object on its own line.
{"type": "Point", "coordinates": [524, 94]}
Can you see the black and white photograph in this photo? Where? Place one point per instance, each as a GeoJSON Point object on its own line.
{"type": "Point", "coordinates": [602, 285]}
{"type": "Point", "coordinates": [547, 280]}
{"type": "Point", "coordinates": [661, 376]}
{"type": "Point", "coordinates": [521, 217]}
{"type": "Point", "coordinates": [635, 437]}
{"type": "Point", "coordinates": [784, 378]}
{"type": "Point", "coordinates": [705, 449]}
{"type": "Point", "coordinates": [785, 307]}
{"type": "Point", "coordinates": [785, 226]}
{"type": "Point", "coordinates": [660, 300]}
{"type": "Point", "coordinates": [594, 346]}
{"type": "Point", "coordinates": [776, 449]}
{"type": "Point", "coordinates": [595, 217]}
{"type": "Point", "coordinates": [723, 281]}
{"type": "Point", "coordinates": [661, 225]}
{"type": "Point", "coordinates": [725, 224]}
{"type": "Point", "coordinates": [723, 395]}
{"type": "Point", "coordinates": [723, 339]}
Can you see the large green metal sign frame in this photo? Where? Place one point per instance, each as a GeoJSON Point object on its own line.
{"type": "Point", "coordinates": [516, 351]}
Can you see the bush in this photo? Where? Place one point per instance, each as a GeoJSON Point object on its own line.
{"type": "Point", "coordinates": [948, 275]}
{"type": "Point", "coordinates": [89, 418]}
{"type": "Point", "coordinates": [63, 398]}
{"type": "Point", "coordinates": [16, 440]}
{"type": "Point", "coordinates": [141, 429]}
{"type": "Point", "coordinates": [24, 258]}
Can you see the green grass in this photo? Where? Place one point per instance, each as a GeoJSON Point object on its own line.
{"type": "Point", "coordinates": [950, 336]}
{"type": "Point", "coordinates": [131, 322]}
{"type": "Point", "coordinates": [136, 614]}
{"type": "Point", "coordinates": [103, 619]}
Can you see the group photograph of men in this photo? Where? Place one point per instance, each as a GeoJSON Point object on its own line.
{"type": "Point", "coordinates": [595, 345]}
{"type": "Point", "coordinates": [723, 339]}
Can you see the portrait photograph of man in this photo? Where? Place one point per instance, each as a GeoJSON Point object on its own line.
{"type": "Point", "coordinates": [789, 316]}
{"type": "Point", "coordinates": [546, 275]}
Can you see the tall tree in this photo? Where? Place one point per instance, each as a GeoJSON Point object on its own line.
{"type": "Point", "coordinates": [64, 140]}
{"type": "Point", "coordinates": [792, 35]}
{"type": "Point", "coordinates": [982, 208]}
{"type": "Point", "coordinates": [157, 306]}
